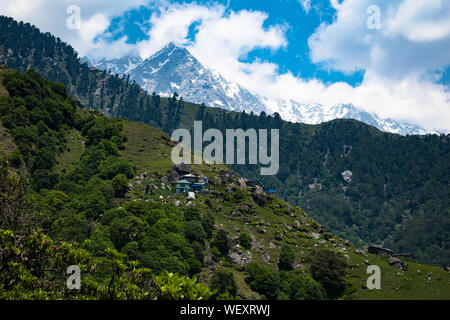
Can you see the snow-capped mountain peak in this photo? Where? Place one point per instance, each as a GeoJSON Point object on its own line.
{"type": "Point", "coordinates": [175, 69]}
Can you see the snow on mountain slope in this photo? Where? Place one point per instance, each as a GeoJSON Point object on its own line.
{"type": "Point", "coordinates": [174, 69]}
{"type": "Point", "coordinates": [317, 113]}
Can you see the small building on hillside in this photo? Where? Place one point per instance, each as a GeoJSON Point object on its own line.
{"type": "Point", "coordinates": [198, 187]}
{"type": "Point", "coordinates": [189, 177]}
{"type": "Point", "coordinates": [378, 250]}
{"type": "Point", "coordinates": [190, 182]}
{"type": "Point", "coordinates": [182, 186]}
{"type": "Point", "coordinates": [202, 180]}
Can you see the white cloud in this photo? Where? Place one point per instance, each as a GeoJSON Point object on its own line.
{"type": "Point", "coordinates": [421, 20]}
{"type": "Point", "coordinates": [171, 24]}
{"type": "Point", "coordinates": [411, 38]}
{"type": "Point", "coordinates": [306, 4]}
{"type": "Point", "coordinates": [221, 43]}
{"type": "Point", "coordinates": [218, 35]}
{"type": "Point", "coordinates": [93, 27]}
{"type": "Point", "coordinates": [414, 40]}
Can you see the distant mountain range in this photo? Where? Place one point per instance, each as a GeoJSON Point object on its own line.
{"type": "Point", "coordinates": [175, 69]}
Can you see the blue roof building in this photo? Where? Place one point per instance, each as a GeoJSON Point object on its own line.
{"type": "Point", "coordinates": [182, 186]}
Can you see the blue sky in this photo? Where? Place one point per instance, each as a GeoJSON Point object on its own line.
{"type": "Point", "coordinates": [389, 57]}
{"type": "Point", "coordinates": [300, 26]}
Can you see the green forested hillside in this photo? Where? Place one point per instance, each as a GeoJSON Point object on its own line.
{"type": "Point", "coordinates": [102, 200]}
{"type": "Point", "coordinates": [76, 213]}
{"type": "Point", "coordinates": [398, 195]}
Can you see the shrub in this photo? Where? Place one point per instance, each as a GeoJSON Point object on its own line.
{"type": "Point", "coordinates": [113, 166]}
{"type": "Point", "coordinates": [208, 223]}
{"type": "Point", "coordinates": [297, 285]}
{"type": "Point", "coordinates": [238, 195]}
{"type": "Point", "coordinates": [120, 185]}
{"type": "Point", "coordinates": [193, 231]}
{"type": "Point", "coordinates": [263, 280]}
{"type": "Point", "coordinates": [175, 287]}
{"type": "Point", "coordinates": [245, 240]}
{"type": "Point", "coordinates": [287, 258]}
{"type": "Point", "coordinates": [223, 281]}
{"type": "Point", "coordinates": [221, 241]}
{"type": "Point", "coordinates": [192, 214]}
{"type": "Point", "coordinates": [16, 158]}
{"type": "Point", "coordinates": [329, 268]}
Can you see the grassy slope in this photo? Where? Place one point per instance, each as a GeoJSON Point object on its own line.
{"type": "Point", "coordinates": [397, 284]}
{"type": "Point", "coordinates": [75, 148]}
{"type": "Point", "coordinates": [149, 150]}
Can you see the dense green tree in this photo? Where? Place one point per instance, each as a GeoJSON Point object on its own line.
{"type": "Point", "coordinates": [287, 258]}
{"type": "Point", "coordinates": [221, 241]}
{"type": "Point", "coordinates": [223, 281]}
{"type": "Point", "coordinates": [175, 287]}
{"type": "Point", "coordinates": [120, 185]}
{"type": "Point", "coordinates": [245, 240]}
{"type": "Point", "coordinates": [124, 230]}
{"type": "Point", "coordinates": [328, 268]}
{"type": "Point", "coordinates": [297, 285]}
{"type": "Point", "coordinates": [192, 213]}
{"type": "Point", "coordinates": [208, 222]}
{"type": "Point", "coordinates": [199, 251]}
{"type": "Point", "coordinates": [17, 212]}
{"type": "Point", "coordinates": [99, 241]}
{"type": "Point", "coordinates": [34, 267]}
{"type": "Point", "coordinates": [193, 231]}
{"type": "Point", "coordinates": [111, 167]}
{"type": "Point", "coordinates": [263, 280]}
{"type": "Point", "coordinates": [70, 227]}
{"type": "Point", "coordinates": [131, 250]}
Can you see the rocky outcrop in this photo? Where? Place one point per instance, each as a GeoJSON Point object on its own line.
{"type": "Point", "coordinates": [347, 176]}
{"type": "Point", "coordinates": [265, 256]}
{"type": "Point", "coordinates": [177, 172]}
{"type": "Point", "coordinates": [174, 176]}
{"type": "Point", "coordinates": [255, 244]}
{"type": "Point", "coordinates": [361, 252]}
{"type": "Point", "coordinates": [397, 263]}
{"type": "Point", "coordinates": [239, 257]}
{"type": "Point", "coordinates": [260, 199]}
{"type": "Point", "coordinates": [242, 183]}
